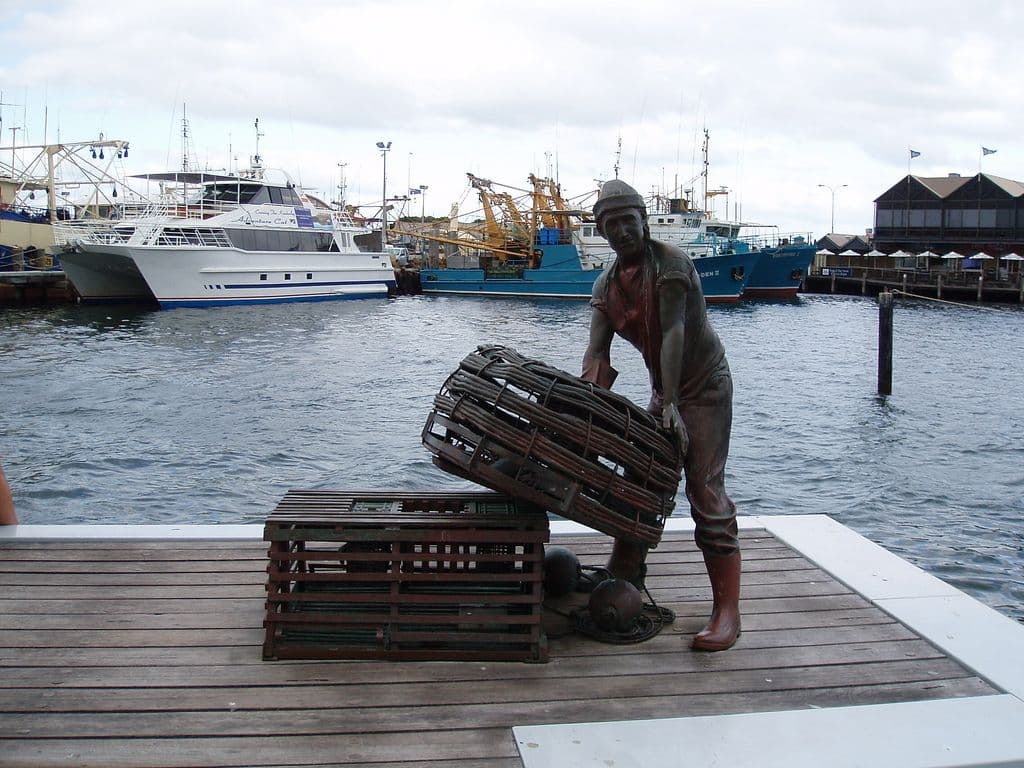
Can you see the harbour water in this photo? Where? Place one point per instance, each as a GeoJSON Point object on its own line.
{"type": "Point", "coordinates": [122, 415]}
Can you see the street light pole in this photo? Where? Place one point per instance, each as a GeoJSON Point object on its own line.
{"type": "Point", "coordinates": [384, 148]}
{"type": "Point", "coordinates": [423, 202]}
{"type": "Point", "coordinates": [833, 191]}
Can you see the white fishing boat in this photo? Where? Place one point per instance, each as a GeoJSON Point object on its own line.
{"type": "Point", "coordinates": [761, 264]}
{"type": "Point", "coordinates": [220, 239]}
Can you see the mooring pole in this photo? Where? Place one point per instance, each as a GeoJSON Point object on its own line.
{"type": "Point", "coordinates": [885, 304]}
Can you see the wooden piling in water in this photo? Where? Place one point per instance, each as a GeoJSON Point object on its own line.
{"type": "Point", "coordinates": [885, 305]}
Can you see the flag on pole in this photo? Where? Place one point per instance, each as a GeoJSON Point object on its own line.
{"type": "Point", "coordinates": [987, 151]}
{"type": "Point", "coordinates": [914, 153]}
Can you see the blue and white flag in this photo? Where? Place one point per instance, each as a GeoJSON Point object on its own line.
{"type": "Point", "coordinates": [914, 153]}
{"type": "Point", "coordinates": [987, 151]}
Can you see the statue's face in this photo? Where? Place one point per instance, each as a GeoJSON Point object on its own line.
{"type": "Point", "coordinates": [624, 230]}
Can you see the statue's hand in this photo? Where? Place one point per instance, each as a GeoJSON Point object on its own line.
{"type": "Point", "coordinates": [673, 422]}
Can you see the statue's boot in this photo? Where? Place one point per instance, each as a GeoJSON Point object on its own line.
{"type": "Point", "coordinates": [724, 626]}
{"type": "Point", "coordinates": [628, 561]}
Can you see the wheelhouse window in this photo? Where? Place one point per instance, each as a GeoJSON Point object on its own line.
{"type": "Point", "coordinates": [229, 192]}
{"type": "Point", "coordinates": [304, 241]}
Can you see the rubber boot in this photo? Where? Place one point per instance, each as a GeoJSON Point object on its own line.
{"type": "Point", "coordinates": [627, 562]}
{"type": "Point", "coordinates": [724, 626]}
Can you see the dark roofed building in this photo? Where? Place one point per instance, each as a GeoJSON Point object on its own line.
{"type": "Point", "coordinates": [954, 212]}
{"type": "Point", "coordinates": [838, 243]}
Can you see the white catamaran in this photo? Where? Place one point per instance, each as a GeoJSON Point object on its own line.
{"type": "Point", "coordinates": [229, 239]}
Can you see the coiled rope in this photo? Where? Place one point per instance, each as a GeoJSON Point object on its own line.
{"type": "Point", "coordinates": [652, 619]}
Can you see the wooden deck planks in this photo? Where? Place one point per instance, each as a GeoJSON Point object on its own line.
{"type": "Point", "coordinates": [106, 662]}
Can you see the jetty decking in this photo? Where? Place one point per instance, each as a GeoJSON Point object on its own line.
{"type": "Point", "coordinates": [145, 652]}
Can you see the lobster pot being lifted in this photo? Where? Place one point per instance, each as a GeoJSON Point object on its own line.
{"type": "Point", "coordinates": [542, 435]}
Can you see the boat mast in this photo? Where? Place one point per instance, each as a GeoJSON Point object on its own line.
{"type": "Point", "coordinates": [184, 139]}
{"type": "Point", "coordinates": [704, 148]}
{"type": "Point", "coordinates": [257, 161]}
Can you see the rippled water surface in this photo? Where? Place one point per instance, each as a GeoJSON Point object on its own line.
{"type": "Point", "coordinates": [129, 416]}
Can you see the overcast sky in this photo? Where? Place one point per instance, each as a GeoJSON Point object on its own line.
{"type": "Point", "coordinates": [794, 93]}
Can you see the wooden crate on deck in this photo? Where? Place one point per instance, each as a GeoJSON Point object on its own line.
{"type": "Point", "coordinates": [399, 575]}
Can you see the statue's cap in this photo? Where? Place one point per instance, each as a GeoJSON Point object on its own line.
{"type": "Point", "coordinates": [617, 194]}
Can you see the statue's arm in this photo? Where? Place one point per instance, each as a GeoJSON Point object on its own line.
{"type": "Point", "coordinates": [597, 360]}
{"type": "Point", "coordinates": [672, 295]}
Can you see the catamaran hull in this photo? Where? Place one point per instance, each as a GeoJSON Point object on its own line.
{"type": "Point", "coordinates": [208, 277]}
{"type": "Point", "coordinates": [106, 278]}
{"type": "Point", "coordinates": [779, 272]}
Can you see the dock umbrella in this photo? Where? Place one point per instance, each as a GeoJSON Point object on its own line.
{"type": "Point", "coordinates": [849, 253]}
{"type": "Point", "coordinates": [927, 256]}
{"type": "Point", "coordinates": [874, 253]}
{"type": "Point", "coordinates": [1012, 257]}
{"type": "Point", "coordinates": [952, 256]}
{"type": "Point", "coordinates": [821, 257]}
{"type": "Point", "coordinates": [981, 256]}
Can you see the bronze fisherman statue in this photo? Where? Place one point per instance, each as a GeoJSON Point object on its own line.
{"type": "Point", "coordinates": [651, 296]}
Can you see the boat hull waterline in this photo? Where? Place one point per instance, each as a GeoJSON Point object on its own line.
{"type": "Point", "coordinates": [207, 277]}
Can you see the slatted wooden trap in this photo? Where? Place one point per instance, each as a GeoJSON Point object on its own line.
{"type": "Point", "coordinates": [402, 575]}
{"type": "Point", "coordinates": [537, 433]}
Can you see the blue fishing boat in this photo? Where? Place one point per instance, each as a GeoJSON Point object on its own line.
{"type": "Point", "coordinates": [553, 251]}
{"type": "Point", "coordinates": [561, 273]}
{"type": "Point", "coordinates": [780, 270]}
{"type": "Point", "coordinates": [781, 262]}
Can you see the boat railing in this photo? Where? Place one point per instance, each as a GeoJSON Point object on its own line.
{"type": "Point", "coordinates": [775, 239]}
{"type": "Point", "coordinates": [173, 210]}
{"type": "Point", "coordinates": [208, 237]}
{"type": "Point", "coordinates": [96, 231]}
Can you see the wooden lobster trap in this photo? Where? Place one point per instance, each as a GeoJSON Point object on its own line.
{"type": "Point", "coordinates": [540, 434]}
{"type": "Point", "coordinates": [397, 575]}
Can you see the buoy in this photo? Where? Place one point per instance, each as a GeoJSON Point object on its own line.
{"type": "Point", "coordinates": [615, 604]}
{"type": "Point", "coordinates": [561, 571]}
